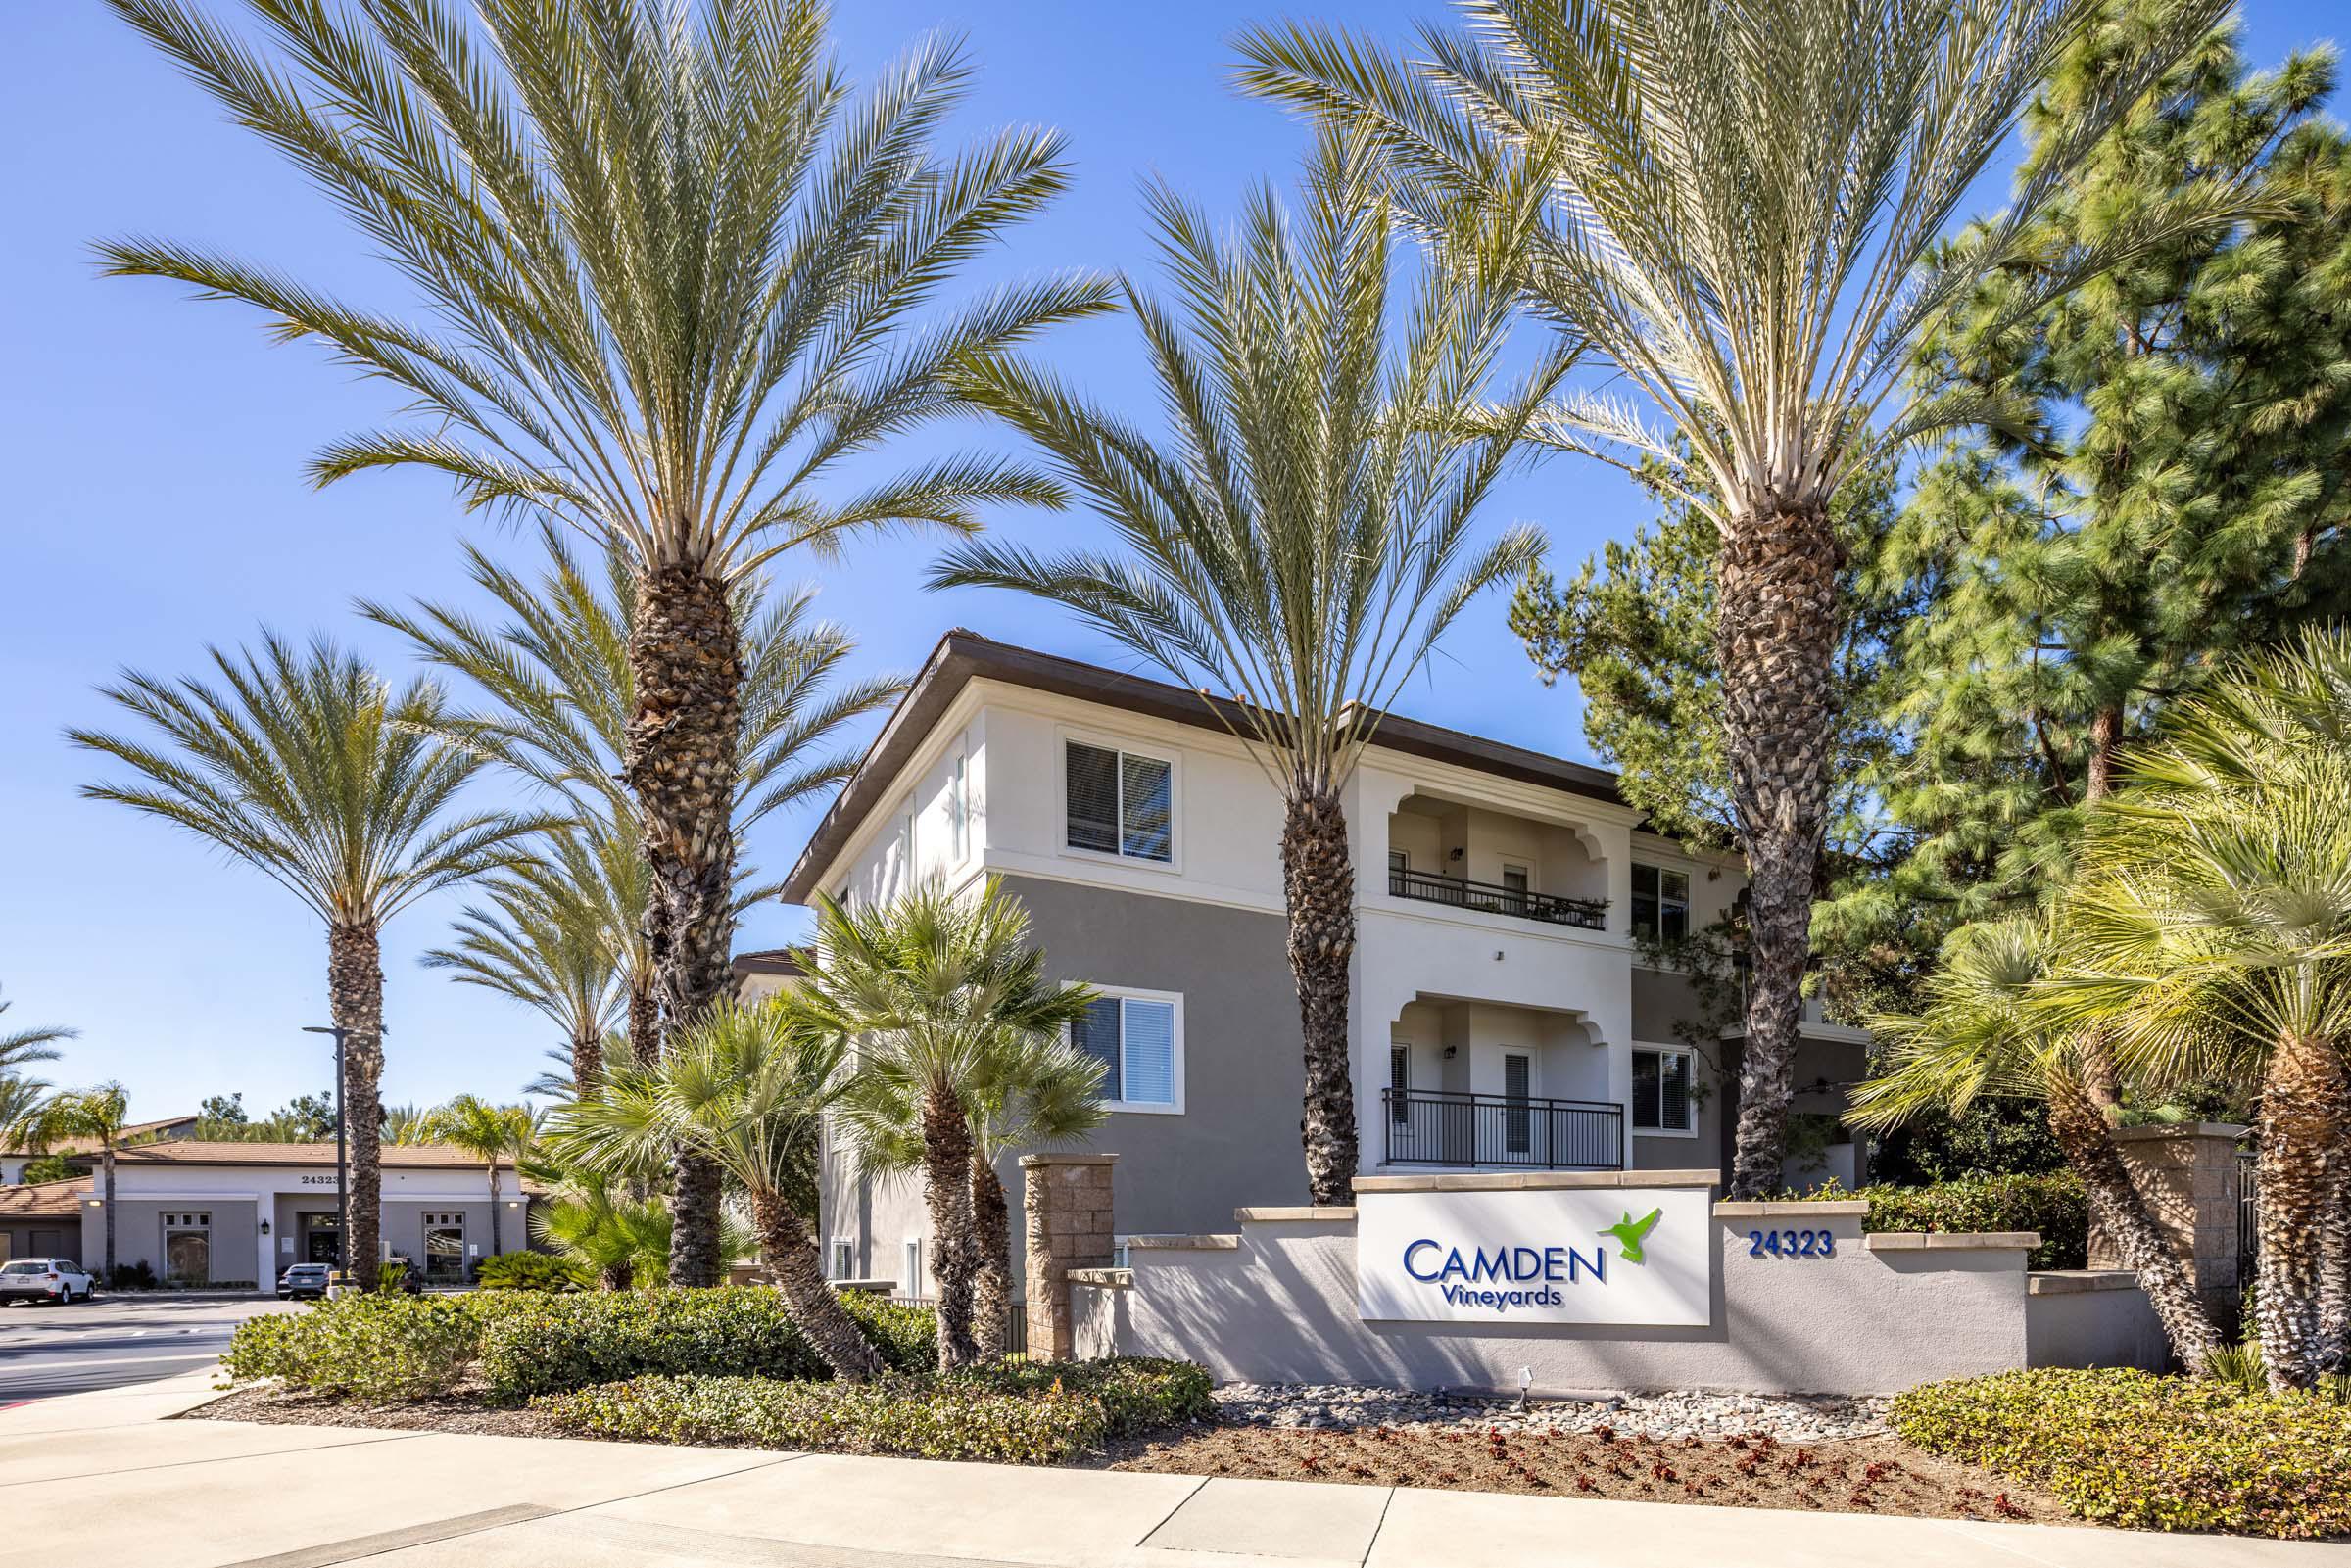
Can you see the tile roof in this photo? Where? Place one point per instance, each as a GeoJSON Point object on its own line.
{"type": "Point", "coordinates": [44, 1200]}
{"type": "Point", "coordinates": [190, 1152]}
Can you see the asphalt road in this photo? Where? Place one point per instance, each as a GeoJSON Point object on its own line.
{"type": "Point", "coordinates": [102, 1343]}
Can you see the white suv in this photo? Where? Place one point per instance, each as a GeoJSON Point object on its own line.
{"type": "Point", "coordinates": [43, 1279]}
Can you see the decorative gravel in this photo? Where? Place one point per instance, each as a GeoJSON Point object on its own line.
{"type": "Point", "coordinates": [1319, 1406]}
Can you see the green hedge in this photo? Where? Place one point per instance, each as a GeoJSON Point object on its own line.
{"type": "Point", "coordinates": [1016, 1414]}
{"type": "Point", "coordinates": [539, 1272]}
{"type": "Point", "coordinates": [2053, 1205]}
{"type": "Point", "coordinates": [2149, 1453]}
{"type": "Point", "coordinates": [520, 1342]}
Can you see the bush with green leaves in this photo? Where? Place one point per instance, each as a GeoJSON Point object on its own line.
{"type": "Point", "coordinates": [538, 1271]}
{"type": "Point", "coordinates": [2053, 1205]}
{"type": "Point", "coordinates": [1018, 1412]}
{"type": "Point", "coordinates": [371, 1347]}
{"type": "Point", "coordinates": [906, 1335]}
{"type": "Point", "coordinates": [2149, 1453]}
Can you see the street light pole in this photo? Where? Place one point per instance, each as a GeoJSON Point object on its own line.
{"type": "Point", "coordinates": [342, 1164]}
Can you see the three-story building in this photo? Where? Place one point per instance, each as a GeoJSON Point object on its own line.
{"type": "Point", "coordinates": [1502, 1011]}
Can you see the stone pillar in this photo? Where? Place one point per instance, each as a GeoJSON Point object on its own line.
{"type": "Point", "coordinates": [1067, 1197]}
{"type": "Point", "coordinates": [2187, 1177]}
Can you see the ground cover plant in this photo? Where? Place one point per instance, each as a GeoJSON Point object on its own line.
{"type": "Point", "coordinates": [2150, 1453]}
{"type": "Point", "coordinates": [1013, 1412]}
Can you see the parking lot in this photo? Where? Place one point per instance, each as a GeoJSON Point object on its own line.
{"type": "Point", "coordinates": [109, 1342]}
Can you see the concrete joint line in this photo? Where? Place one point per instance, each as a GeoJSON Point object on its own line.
{"type": "Point", "coordinates": [336, 1552]}
{"type": "Point", "coordinates": [1161, 1523]}
{"type": "Point", "coordinates": [1382, 1523]}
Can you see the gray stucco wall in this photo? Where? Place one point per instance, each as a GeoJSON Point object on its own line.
{"type": "Point", "coordinates": [1281, 1307]}
{"type": "Point", "coordinates": [139, 1236]}
{"type": "Point", "coordinates": [40, 1238]}
{"type": "Point", "coordinates": [2094, 1317]}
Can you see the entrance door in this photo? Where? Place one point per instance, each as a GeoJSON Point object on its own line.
{"type": "Point", "coordinates": [188, 1247]}
{"type": "Point", "coordinates": [445, 1248]}
{"type": "Point", "coordinates": [321, 1239]}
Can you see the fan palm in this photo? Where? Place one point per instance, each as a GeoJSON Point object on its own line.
{"type": "Point", "coordinates": [1737, 207]}
{"type": "Point", "coordinates": [21, 1101]}
{"type": "Point", "coordinates": [80, 1117]}
{"type": "Point", "coordinates": [20, 1048]}
{"type": "Point", "coordinates": [558, 672]}
{"type": "Point", "coordinates": [1303, 537]}
{"type": "Point", "coordinates": [308, 768]}
{"type": "Point", "coordinates": [1035, 1089]}
{"type": "Point", "coordinates": [492, 1133]}
{"type": "Point", "coordinates": [1981, 1034]}
{"type": "Point", "coordinates": [744, 1087]}
{"type": "Point", "coordinates": [543, 942]}
{"type": "Point", "coordinates": [681, 275]}
{"type": "Point", "coordinates": [937, 990]}
{"type": "Point", "coordinates": [2210, 931]}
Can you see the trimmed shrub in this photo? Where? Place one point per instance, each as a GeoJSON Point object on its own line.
{"type": "Point", "coordinates": [2149, 1453]}
{"type": "Point", "coordinates": [539, 1272]}
{"type": "Point", "coordinates": [371, 1347]}
{"type": "Point", "coordinates": [907, 1336]}
{"type": "Point", "coordinates": [1016, 1414]}
{"type": "Point", "coordinates": [2053, 1205]}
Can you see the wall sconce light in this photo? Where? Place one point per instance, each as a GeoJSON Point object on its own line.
{"type": "Point", "coordinates": [97, 1203]}
{"type": "Point", "coordinates": [264, 1227]}
{"type": "Point", "coordinates": [513, 1204]}
{"type": "Point", "coordinates": [1453, 853]}
{"type": "Point", "coordinates": [1451, 1052]}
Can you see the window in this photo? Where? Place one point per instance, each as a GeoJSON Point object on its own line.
{"type": "Point", "coordinates": [1399, 1079]}
{"type": "Point", "coordinates": [1119, 803]}
{"type": "Point", "coordinates": [1138, 1038]}
{"type": "Point", "coordinates": [1514, 1091]}
{"type": "Point", "coordinates": [910, 1255]}
{"type": "Point", "coordinates": [1660, 903]}
{"type": "Point", "coordinates": [844, 1260]}
{"type": "Point", "coordinates": [959, 833]}
{"type": "Point", "coordinates": [1661, 1091]}
{"type": "Point", "coordinates": [1398, 860]}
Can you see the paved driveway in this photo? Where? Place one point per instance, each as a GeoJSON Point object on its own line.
{"type": "Point", "coordinates": [113, 1341]}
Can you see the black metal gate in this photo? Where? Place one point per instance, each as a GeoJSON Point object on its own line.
{"type": "Point", "coordinates": [2248, 1232]}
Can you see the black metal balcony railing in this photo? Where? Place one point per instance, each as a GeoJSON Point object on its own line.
{"type": "Point", "coordinates": [1592, 913]}
{"type": "Point", "coordinates": [1442, 1127]}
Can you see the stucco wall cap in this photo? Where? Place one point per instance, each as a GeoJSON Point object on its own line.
{"type": "Point", "coordinates": [1183, 1244]}
{"type": "Point", "coordinates": [1333, 1214]}
{"type": "Point", "coordinates": [1898, 1241]}
{"type": "Point", "coordinates": [1103, 1279]}
{"type": "Point", "coordinates": [2073, 1281]}
{"type": "Point", "coordinates": [1031, 1161]}
{"type": "Point", "coordinates": [1793, 1207]}
{"type": "Point", "coordinates": [1536, 1180]}
{"type": "Point", "coordinates": [2183, 1129]}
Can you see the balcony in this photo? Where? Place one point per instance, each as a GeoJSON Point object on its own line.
{"type": "Point", "coordinates": [1491, 898]}
{"type": "Point", "coordinates": [1441, 1127]}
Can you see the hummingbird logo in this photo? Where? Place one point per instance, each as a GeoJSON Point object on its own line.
{"type": "Point", "coordinates": [1628, 1232]}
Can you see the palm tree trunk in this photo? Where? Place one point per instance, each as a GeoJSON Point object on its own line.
{"type": "Point", "coordinates": [947, 1195]}
{"type": "Point", "coordinates": [685, 659]}
{"type": "Point", "coordinates": [496, 1246]}
{"type": "Point", "coordinates": [991, 1289]}
{"type": "Point", "coordinates": [2083, 1131]}
{"type": "Point", "coordinates": [645, 1026]}
{"type": "Point", "coordinates": [2305, 1102]}
{"type": "Point", "coordinates": [1776, 638]}
{"type": "Point", "coordinates": [2334, 1259]}
{"type": "Point", "coordinates": [109, 1212]}
{"type": "Point", "coordinates": [791, 1262]}
{"type": "Point", "coordinates": [587, 1063]}
{"type": "Point", "coordinates": [1317, 886]}
{"type": "Point", "coordinates": [354, 989]}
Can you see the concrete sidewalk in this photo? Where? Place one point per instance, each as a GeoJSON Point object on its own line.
{"type": "Point", "coordinates": [107, 1475]}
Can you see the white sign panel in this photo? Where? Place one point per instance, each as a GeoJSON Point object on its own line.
{"type": "Point", "coordinates": [1578, 1254]}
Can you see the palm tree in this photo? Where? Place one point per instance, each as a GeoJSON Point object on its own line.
{"type": "Point", "coordinates": [1301, 539]}
{"type": "Point", "coordinates": [1737, 209]}
{"type": "Point", "coordinates": [543, 942]}
{"type": "Point", "coordinates": [744, 1088]}
{"type": "Point", "coordinates": [557, 671]}
{"type": "Point", "coordinates": [679, 275]}
{"type": "Point", "coordinates": [1034, 1089]}
{"type": "Point", "coordinates": [1981, 1034]}
{"type": "Point", "coordinates": [307, 767]}
{"type": "Point", "coordinates": [937, 992]}
{"type": "Point", "coordinates": [23, 1097]}
{"type": "Point", "coordinates": [2209, 929]}
{"type": "Point", "coordinates": [83, 1115]}
{"type": "Point", "coordinates": [20, 1048]}
{"type": "Point", "coordinates": [492, 1134]}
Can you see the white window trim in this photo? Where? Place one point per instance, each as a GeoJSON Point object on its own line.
{"type": "Point", "coordinates": [912, 1262]}
{"type": "Point", "coordinates": [833, 1247]}
{"type": "Point", "coordinates": [1135, 993]}
{"type": "Point", "coordinates": [1108, 740]}
{"type": "Point", "coordinates": [1690, 1131]}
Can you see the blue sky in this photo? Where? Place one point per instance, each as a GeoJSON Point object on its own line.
{"type": "Point", "coordinates": [155, 448]}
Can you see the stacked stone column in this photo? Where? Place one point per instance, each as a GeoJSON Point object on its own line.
{"type": "Point", "coordinates": [1067, 1197]}
{"type": "Point", "coordinates": [2187, 1177]}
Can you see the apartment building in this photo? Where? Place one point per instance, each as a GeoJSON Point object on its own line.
{"type": "Point", "coordinates": [1502, 1016]}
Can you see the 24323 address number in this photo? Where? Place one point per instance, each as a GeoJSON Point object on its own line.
{"type": "Point", "coordinates": [1791, 1244]}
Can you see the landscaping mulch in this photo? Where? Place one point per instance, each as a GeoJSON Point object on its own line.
{"type": "Point", "coordinates": [273, 1407]}
{"type": "Point", "coordinates": [1857, 1475]}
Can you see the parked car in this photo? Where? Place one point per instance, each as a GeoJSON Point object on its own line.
{"type": "Point", "coordinates": [43, 1279]}
{"type": "Point", "coordinates": [303, 1280]}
